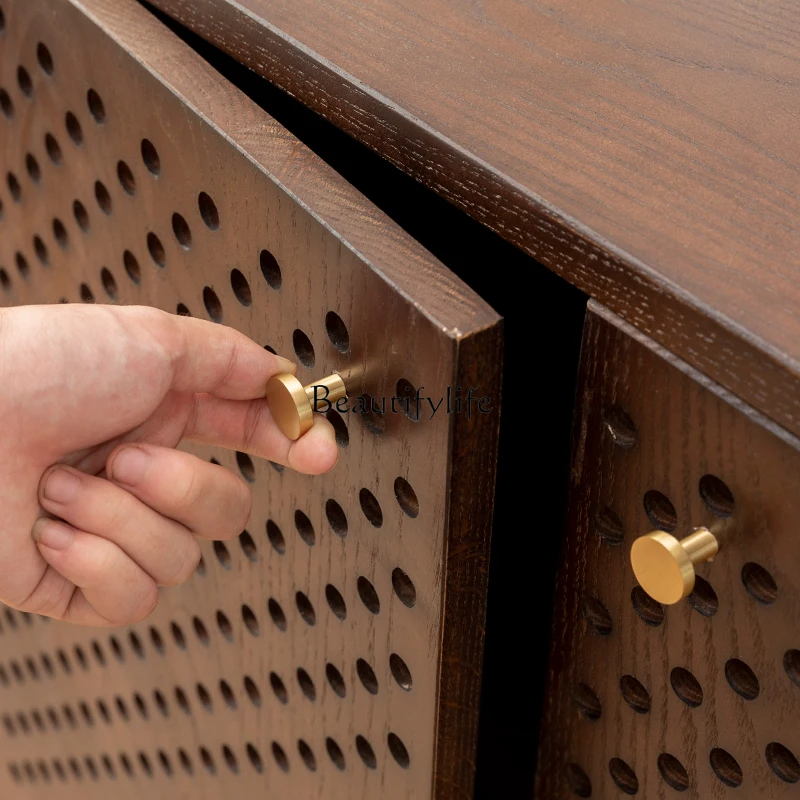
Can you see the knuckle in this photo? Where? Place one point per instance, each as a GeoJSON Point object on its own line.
{"type": "Point", "coordinates": [186, 566]}
{"type": "Point", "coordinates": [187, 490]}
{"type": "Point", "coordinates": [239, 505]}
{"type": "Point", "coordinates": [144, 606]}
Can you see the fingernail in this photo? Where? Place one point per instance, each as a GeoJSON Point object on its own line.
{"type": "Point", "coordinates": [129, 465]}
{"type": "Point", "coordinates": [61, 486]}
{"type": "Point", "coordinates": [52, 534]}
{"type": "Point", "coordinates": [284, 365]}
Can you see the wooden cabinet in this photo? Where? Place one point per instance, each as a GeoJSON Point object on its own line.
{"type": "Point", "coordinates": [701, 697]}
{"type": "Point", "coordinates": [334, 650]}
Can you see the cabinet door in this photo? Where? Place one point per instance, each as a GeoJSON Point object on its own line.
{"type": "Point", "coordinates": [335, 649]}
{"type": "Point", "coordinates": [702, 696]}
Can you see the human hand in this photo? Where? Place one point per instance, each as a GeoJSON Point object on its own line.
{"type": "Point", "coordinates": [97, 508]}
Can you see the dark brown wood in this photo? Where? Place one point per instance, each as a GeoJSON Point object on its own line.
{"type": "Point", "coordinates": [410, 322]}
{"type": "Point", "coordinates": [643, 152]}
{"type": "Point", "coordinates": [623, 670]}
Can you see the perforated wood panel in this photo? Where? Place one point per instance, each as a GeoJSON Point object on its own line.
{"type": "Point", "coordinates": [334, 650]}
{"type": "Point", "coordinates": [699, 699]}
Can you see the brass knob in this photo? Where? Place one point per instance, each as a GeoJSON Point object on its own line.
{"type": "Point", "coordinates": [664, 565]}
{"type": "Point", "coordinates": [292, 404]}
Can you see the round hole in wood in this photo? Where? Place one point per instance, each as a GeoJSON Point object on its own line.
{"type": "Point", "coordinates": [182, 231]}
{"type": "Point", "coordinates": [783, 762]}
{"type": "Point", "coordinates": [53, 149]}
{"type": "Point", "coordinates": [339, 427]}
{"type": "Point", "coordinates": [759, 583]}
{"type": "Point", "coordinates": [726, 767]}
{"type": "Point", "coordinates": [716, 496]}
{"type": "Point", "coordinates": [270, 269]}
{"type": "Point", "coordinates": [280, 757]}
{"type": "Point", "coordinates": [335, 680]}
{"type": "Point", "coordinates": [44, 58]}
{"type": "Point", "coordinates": [791, 663]}
{"type": "Point", "coordinates": [161, 703]}
{"type": "Point", "coordinates": [649, 611]}
{"type": "Point", "coordinates": [278, 687]}
{"type": "Point", "coordinates": [307, 755]}
{"type": "Point", "coordinates": [13, 187]}
{"type": "Point", "coordinates": [40, 249]}
{"type": "Point", "coordinates": [620, 427]}
{"type": "Point", "coordinates": [81, 215]}
{"type": "Point", "coordinates": [212, 304]}
{"type": "Point", "coordinates": [227, 694]}
{"type": "Point", "coordinates": [252, 691]}
{"type": "Point", "coordinates": [371, 507]}
{"type": "Point", "coordinates": [369, 597]}
{"type": "Point", "coordinates": [185, 761]}
{"type": "Point", "coordinates": [6, 104]}
{"type": "Point", "coordinates": [335, 753]}
{"type": "Point", "coordinates": [408, 402]}
{"type": "Point", "coordinates": [204, 697]}
{"type": "Point", "coordinates": [177, 635]}
{"type": "Point", "coordinates": [673, 772]}
{"type": "Point", "coordinates": [208, 761]}
{"type": "Point", "coordinates": [248, 546]}
{"type": "Point", "coordinates": [623, 775]}
{"type": "Point", "coordinates": [371, 413]}
{"type": "Point", "coordinates": [182, 310]}
{"type": "Point", "coordinates": [404, 587]}
{"type": "Point", "coordinates": [406, 497]}
{"type": "Point", "coordinates": [398, 750]}
{"type": "Point", "coordinates": [109, 283]}
{"type": "Point", "coordinates": [305, 608]}
{"type": "Point", "coordinates": [166, 764]}
{"type": "Point", "coordinates": [87, 296]}
{"type": "Point", "coordinates": [136, 644]}
{"type": "Point", "coordinates": [255, 758]}
{"type": "Point", "coordinates": [597, 616]}
{"type": "Point", "coordinates": [230, 759]}
{"type": "Point", "coordinates": [336, 602]}
{"type": "Point", "coordinates": [304, 528]}
{"type": "Point", "coordinates": [703, 597]}
{"type": "Point", "coordinates": [686, 686]}
{"type": "Point", "coordinates": [587, 701]}
{"type": "Point", "coordinates": [32, 166]}
{"type": "Point", "coordinates": [634, 693]}
{"type": "Point", "coordinates": [200, 631]}
{"type": "Point", "coordinates": [337, 332]}
{"type": "Point", "coordinates": [306, 684]}
{"type": "Point", "coordinates": [250, 620]}
{"type": "Point", "coordinates": [5, 281]}
{"type": "Point", "coordinates": [366, 752]}
{"type": "Point", "coordinates": [241, 288]}
{"type": "Point", "coordinates": [24, 81]}
{"type": "Point", "coordinates": [337, 519]}
{"type": "Point", "coordinates": [208, 211]}
{"type": "Point", "coordinates": [102, 196]}
{"type": "Point", "coordinates": [660, 511]}
{"type": "Point", "coordinates": [742, 679]}
{"type": "Point", "coordinates": [158, 642]}
{"type": "Point", "coordinates": [150, 158]}
{"type": "Point", "coordinates": [246, 467]}
{"type": "Point", "coordinates": [303, 348]}
{"type": "Point", "coordinates": [367, 676]}
{"type": "Point", "coordinates": [275, 537]}
{"type": "Point", "coordinates": [608, 526]}
{"type": "Point", "coordinates": [132, 268]}
{"type": "Point", "coordinates": [222, 554]}
{"type": "Point", "coordinates": [74, 130]}
{"type": "Point", "coordinates": [224, 625]}
{"type": "Point", "coordinates": [276, 613]}
{"type": "Point", "coordinates": [126, 179]}
{"type": "Point", "coordinates": [400, 672]}
{"type": "Point", "coordinates": [96, 107]}
{"type": "Point", "coordinates": [157, 251]}
{"type": "Point", "coordinates": [141, 706]}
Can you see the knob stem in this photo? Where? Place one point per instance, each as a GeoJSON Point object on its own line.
{"type": "Point", "coordinates": [331, 389]}
{"type": "Point", "coordinates": [700, 546]}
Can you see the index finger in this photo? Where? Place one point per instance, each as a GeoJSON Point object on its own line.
{"type": "Point", "coordinates": [213, 358]}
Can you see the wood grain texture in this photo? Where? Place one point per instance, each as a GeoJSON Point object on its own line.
{"type": "Point", "coordinates": [617, 676]}
{"type": "Point", "coordinates": [646, 153]}
{"type": "Point", "coordinates": [235, 686]}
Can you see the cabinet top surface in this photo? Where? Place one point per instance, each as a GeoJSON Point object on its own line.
{"type": "Point", "coordinates": [664, 135]}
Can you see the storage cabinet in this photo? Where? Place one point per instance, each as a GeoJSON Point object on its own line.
{"type": "Point", "coordinates": [334, 650]}
{"type": "Point", "coordinates": [701, 697]}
